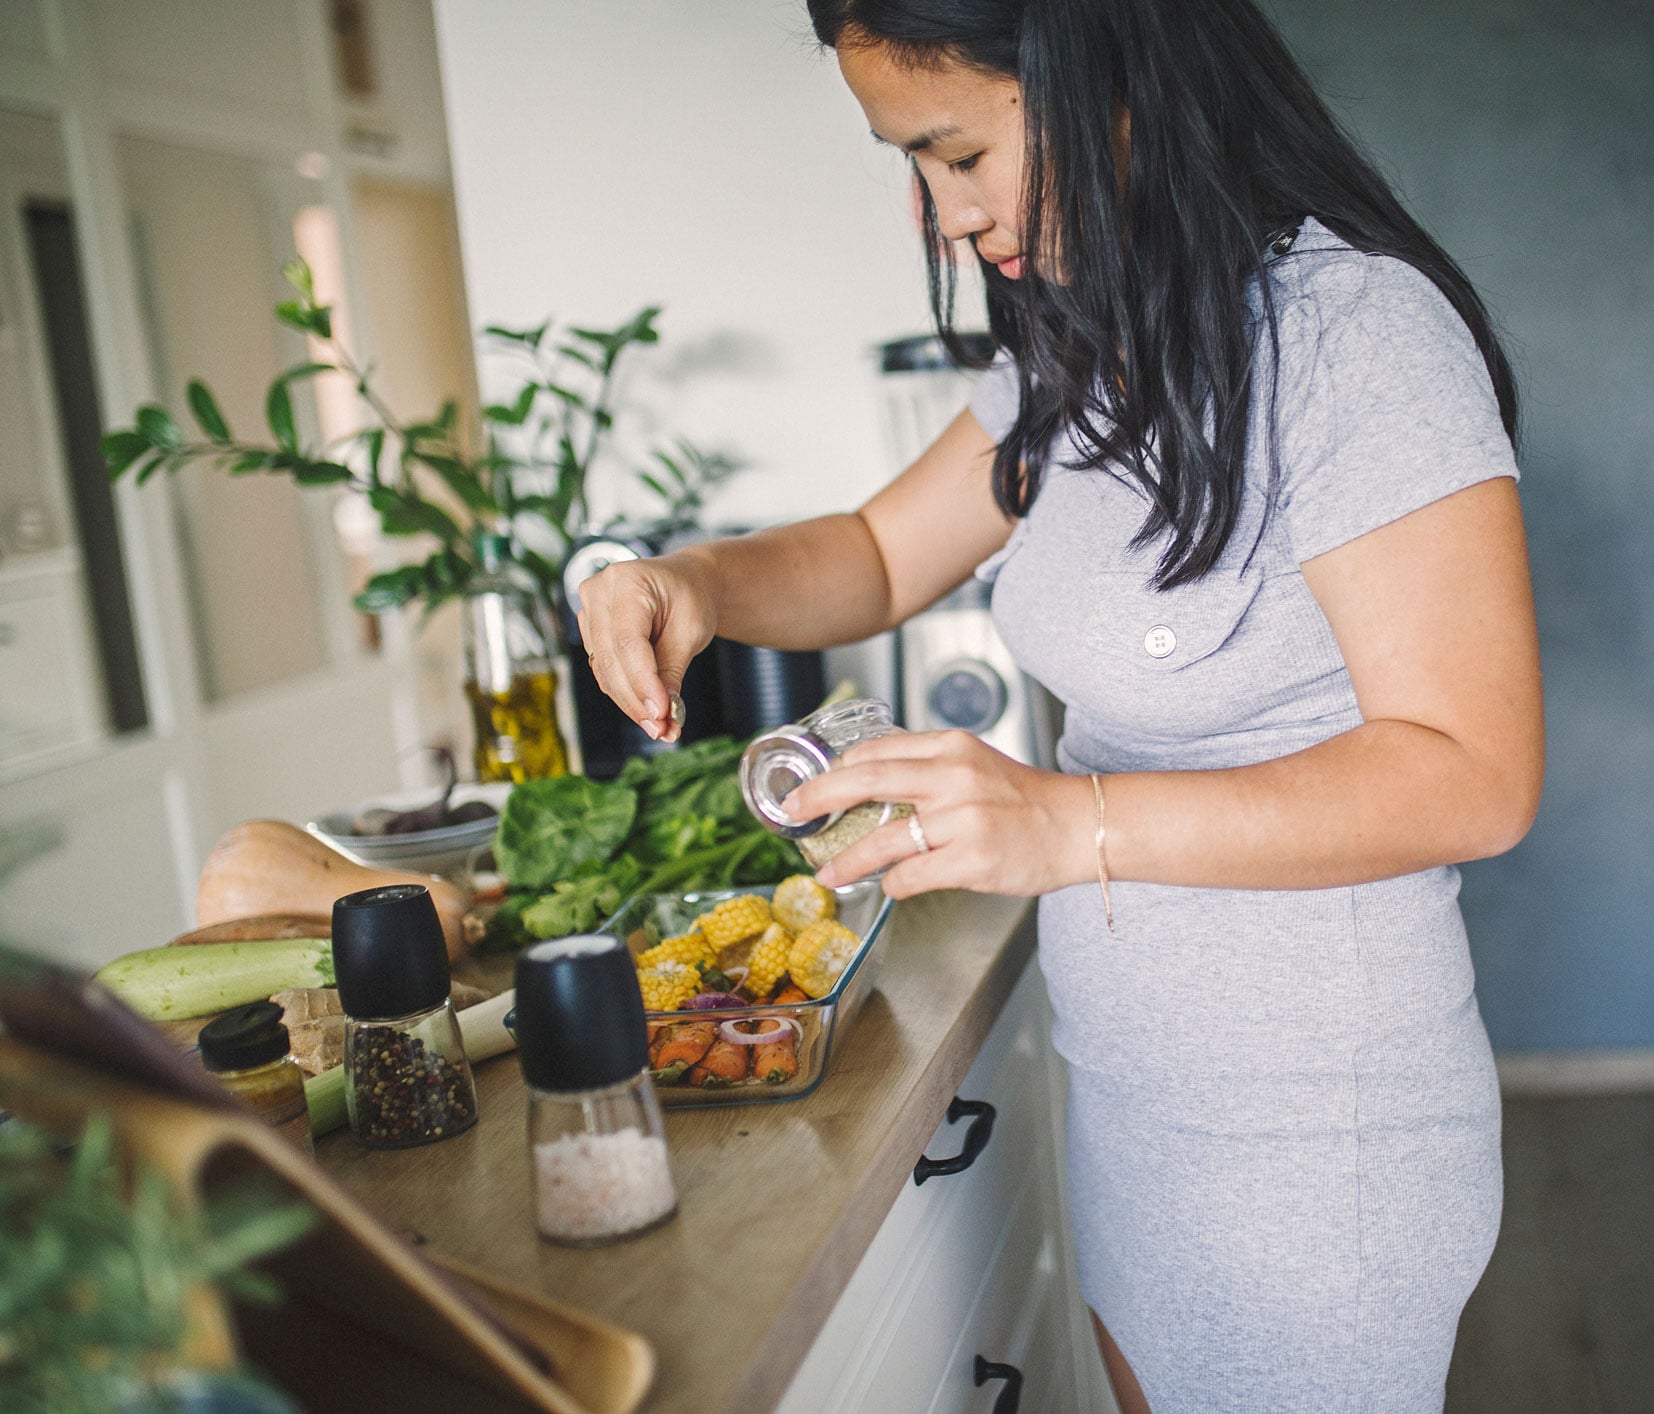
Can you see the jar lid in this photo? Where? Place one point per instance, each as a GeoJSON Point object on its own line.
{"type": "Point", "coordinates": [389, 955]}
{"type": "Point", "coordinates": [773, 766]}
{"type": "Point", "coordinates": [248, 1036]}
{"type": "Point", "coordinates": [580, 1023]}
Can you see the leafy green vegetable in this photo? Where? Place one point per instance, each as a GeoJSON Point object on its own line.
{"type": "Point", "coordinates": [553, 829]}
{"type": "Point", "coordinates": [579, 905]}
{"type": "Point", "coordinates": [573, 850]}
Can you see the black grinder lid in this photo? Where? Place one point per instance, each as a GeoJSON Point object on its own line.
{"type": "Point", "coordinates": [389, 955]}
{"type": "Point", "coordinates": [580, 1022]}
{"type": "Point", "coordinates": [248, 1036]}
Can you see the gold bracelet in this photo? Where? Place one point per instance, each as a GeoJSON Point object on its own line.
{"type": "Point", "coordinates": [1102, 865]}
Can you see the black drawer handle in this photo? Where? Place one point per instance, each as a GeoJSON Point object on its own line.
{"type": "Point", "coordinates": [1009, 1397]}
{"type": "Point", "coordinates": [976, 1140]}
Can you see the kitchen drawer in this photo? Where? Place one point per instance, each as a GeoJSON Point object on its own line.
{"type": "Point", "coordinates": [1019, 1319]}
{"type": "Point", "coordinates": [887, 1343]}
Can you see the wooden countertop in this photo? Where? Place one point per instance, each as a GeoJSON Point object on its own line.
{"type": "Point", "coordinates": [777, 1202]}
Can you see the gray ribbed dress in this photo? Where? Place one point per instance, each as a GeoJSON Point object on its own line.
{"type": "Point", "coordinates": [1284, 1121]}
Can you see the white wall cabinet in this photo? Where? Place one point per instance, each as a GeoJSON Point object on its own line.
{"type": "Point", "coordinates": [971, 1264]}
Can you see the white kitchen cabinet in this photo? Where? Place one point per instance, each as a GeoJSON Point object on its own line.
{"type": "Point", "coordinates": [49, 689]}
{"type": "Point", "coordinates": [971, 1264]}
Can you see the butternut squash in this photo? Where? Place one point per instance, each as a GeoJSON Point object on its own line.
{"type": "Point", "coordinates": [269, 866]}
{"type": "Point", "coordinates": [268, 925]}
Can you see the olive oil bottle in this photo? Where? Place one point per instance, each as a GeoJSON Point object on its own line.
{"type": "Point", "coordinates": [511, 672]}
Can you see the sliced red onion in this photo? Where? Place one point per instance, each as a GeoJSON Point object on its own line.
{"type": "Point", "coordinates": [713, 1001]}
{"type": "Point", "coordinates": [731, 1031]}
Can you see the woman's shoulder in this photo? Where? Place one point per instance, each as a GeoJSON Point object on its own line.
{"type": "Point", "coordinates": [1326, 292]}
{"type": "Point", "coordinates": [1382, 399]}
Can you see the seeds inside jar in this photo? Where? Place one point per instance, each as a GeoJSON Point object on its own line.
{"type": "Point", "coordinates": [855, 824]}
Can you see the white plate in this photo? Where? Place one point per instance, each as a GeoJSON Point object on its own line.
{"type": "Point", "coordinates": [447, 850]}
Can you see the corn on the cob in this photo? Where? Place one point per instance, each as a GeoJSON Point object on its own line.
{"type": "Point", "coordinates": [734, 919]}
{"type": "Point", "coordinates": [819, 956]}
{"type": "Point", "coordinates": [668, 986]}
{"type": "Point", "coordinates": [800, 901]}
{"type": "Point", "coordinates": [768, 961]}
{"type": "Point", "coordinates": [687, 948]}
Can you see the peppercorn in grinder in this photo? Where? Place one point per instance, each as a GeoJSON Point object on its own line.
{"type": "Point", "coordinates": [407, 1078]}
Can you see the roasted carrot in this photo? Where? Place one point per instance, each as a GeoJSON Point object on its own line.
{"type": "Point", "coordinates": [687, 1042]}
{"type": "Point", "coordinates": [724, 1064]}
{"type": "Point", "coordinates": [789, 995]}
{"type": "Point", "coordinates": [776, 1061]}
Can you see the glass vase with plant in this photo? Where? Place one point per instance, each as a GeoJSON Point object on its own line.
{"type": "Point", "coordinates": [502, 500]}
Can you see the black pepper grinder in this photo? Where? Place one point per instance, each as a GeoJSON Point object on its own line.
{"type": "Point", "coordinates": [407, 1078]}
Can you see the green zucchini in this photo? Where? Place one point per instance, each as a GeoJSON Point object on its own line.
{"type": "Point", "coordinates": [172, 984]}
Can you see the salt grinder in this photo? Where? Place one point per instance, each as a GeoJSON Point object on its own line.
{"type": "Point", "coordinates": [597, 1144]}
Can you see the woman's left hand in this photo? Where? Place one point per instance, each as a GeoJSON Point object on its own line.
{"type": "Point", "coordinates": [985, 822]}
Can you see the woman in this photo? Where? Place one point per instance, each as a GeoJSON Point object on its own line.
{"type": "Point", "coordinates": [1244, 475]}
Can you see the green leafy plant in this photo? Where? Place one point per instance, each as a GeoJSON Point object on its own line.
{"type": "Point", "coordinates": [532, 456]}
{"type": "Point", "coordinates": [92, 1308]}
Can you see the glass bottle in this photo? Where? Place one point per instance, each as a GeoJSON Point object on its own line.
{"type": "Point", "coordinates": [778, 762]}
{"type": "Point", "coordinates": [597, 1143]}
{"type": "Point", "coordinates": [407, 1078]}
{"type": "Point", "coordinates": [248, 1050]}
{"type": "Point", "coordinates": [514, 673]}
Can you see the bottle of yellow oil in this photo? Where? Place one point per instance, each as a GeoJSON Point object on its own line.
{"type": "Point", "coordinates": [512, 671]}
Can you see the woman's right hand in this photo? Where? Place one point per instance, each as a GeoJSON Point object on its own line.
{"type": "Point", "coordinates": [641, 622]}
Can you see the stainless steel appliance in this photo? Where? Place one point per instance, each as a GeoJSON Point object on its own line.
{"type": "Point", "coordinates": [956, 673]}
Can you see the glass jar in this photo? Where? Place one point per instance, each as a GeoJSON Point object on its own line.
{"type": "Point", "coordinates": [600, 1168]}
{"type": "Point", "coordinates": [248, 1050]}
{"type": "Point", "coordinates": [407, 1079]}
{"type": "Point", "coordinates": [514, 671]}
{"type": "Point", "coordinates": [778, 762]}
{"type": "Point", "coordinates": [597, 1145]}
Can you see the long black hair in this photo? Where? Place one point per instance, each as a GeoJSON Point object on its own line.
{"type": "Point", "coordinates": [1146, 349]}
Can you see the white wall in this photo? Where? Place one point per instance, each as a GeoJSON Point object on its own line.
{"type": "Point", "coordinates": [706, 157]}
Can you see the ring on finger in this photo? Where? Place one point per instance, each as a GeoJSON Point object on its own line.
{"type": "Point", "coordinates": [917, 831]}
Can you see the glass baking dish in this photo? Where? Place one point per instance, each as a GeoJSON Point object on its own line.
{"type": "Point", "coordinates": [862, 908]}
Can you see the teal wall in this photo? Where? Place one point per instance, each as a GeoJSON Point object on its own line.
{"type": "Point", "coordinates": [1522, 133]}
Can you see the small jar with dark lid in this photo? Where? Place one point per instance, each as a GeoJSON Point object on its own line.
{"type": "Point", "coordinates": [597, 1144]}
{"type": "Point", "coordinates": [779, 761]}
{"type": "Point", "coordinates": [249, 1051]}
{"type": "Point", "coordinates": [407, 1078]}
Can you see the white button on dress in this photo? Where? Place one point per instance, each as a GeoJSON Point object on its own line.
{"type": "Point", "coordinates": [1160, 641]}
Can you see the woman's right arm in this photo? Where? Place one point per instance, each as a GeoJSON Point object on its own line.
{"type": "Point", "coordinates": [814, 584]}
